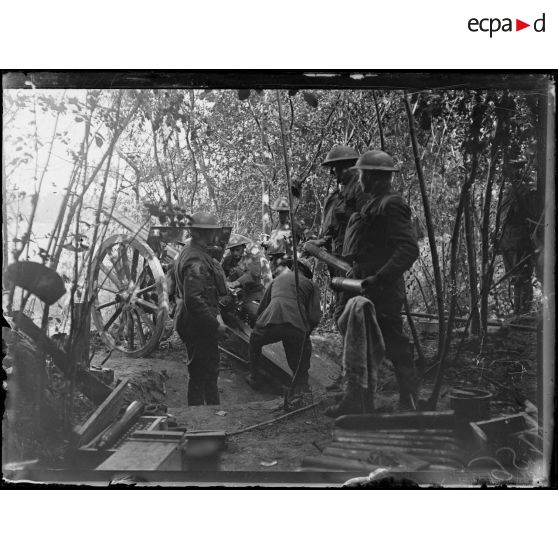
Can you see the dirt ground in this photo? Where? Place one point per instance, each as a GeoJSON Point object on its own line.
{"type": "Point", "coordinates": [507, 368]}
{"type": "Point", "coordinates": [280, 446]}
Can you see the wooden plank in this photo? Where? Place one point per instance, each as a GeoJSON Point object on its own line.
{"type": "Point", "coordinates": [142, 455]}
{"type": "Point", "coordinates": [395, 458]}
{"type": "Point", "coordinates": [430, 454]}
{"type": "Point", "coordinates": [413, 419]}
{"type": "Point", "coordinates": [103, 415]}
{"type": "Point", "coordinates": [93, 388]}
{"type": "Point", "coordinates": [157, 435]}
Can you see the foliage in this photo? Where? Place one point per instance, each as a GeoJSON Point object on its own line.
{"type": "Point", "coordinates": [220, 150]}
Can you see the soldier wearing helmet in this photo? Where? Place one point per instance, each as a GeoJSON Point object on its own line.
{"type": "Point", "coordinates": [380, 243]}
{"type": "Point", "coordinates": [280, 319]}
{"type": "Point", "coordinates": [282, 240]}
{"type": "Point", "coordinates": [344, 201]}
{"type": "Point", "coordinates": [236, 247]}
{"type": "Point", "coordinates": [200, 283]}
{"type": "Point", "coordinates": [244, 273]}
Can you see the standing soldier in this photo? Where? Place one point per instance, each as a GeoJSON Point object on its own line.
{"type": "Point", "coordinates": [347, 198]}
{"type": "Point", "coordinates": [282, 240]}
{"type": "Point", "coordinates": [344, 201]}
{"type": "Point", "coordinates": [280, 319]}
{"type": "Point", "coordinates": [520, 242]}
{"type": "Point", "coordinates": [200, 282]}
{"type": "Point", "coordinates": [380, 243]}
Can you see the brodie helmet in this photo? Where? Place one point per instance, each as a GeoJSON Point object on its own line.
{"type": "Point", "coordinates": [376, 160]}
{"type": "Point", "coordinates": [340, 153]}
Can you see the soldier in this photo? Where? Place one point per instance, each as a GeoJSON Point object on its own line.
{"type": "Point", "coordinates": [380, 242]}
{"type": "Point", "coordinates": [234, 257]}
{"type": "Point", "coordinates": [282, 241]}
{"type": "Point", "coordinates": [344, 201]}
{"type": "Point", "coordinates": [520, 242]}
{"type": "Point", "coordinates": [200, 282]}
{"type": "Point", "coordinates": [247, 277]}
{"type": "Point", "coordinates": [280, 319]}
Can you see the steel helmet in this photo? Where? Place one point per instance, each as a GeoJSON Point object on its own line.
{"type": "Point", "coordinates": [376, 160]}
{"type": "Point", "coordinates": [203, 220]}
{"type": "Point", "coordinates": [281, 204]}
{"type": "Point", "coordinates": [235, 241]}
{"type": "Point", "coordinates": [340, 153]}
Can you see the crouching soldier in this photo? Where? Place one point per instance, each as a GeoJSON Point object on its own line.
{"type": "Point", "coordinates": [200, 283]}
{"type": "Point", "coordinates": [248, 279]}
{"type": "Point", "coordinates": [233, 259]}
{"type": "Point", "coordinates": [281, 319]}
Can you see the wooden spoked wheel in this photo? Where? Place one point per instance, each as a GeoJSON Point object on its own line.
{"type": "Point", "coordinates": [131, 302]}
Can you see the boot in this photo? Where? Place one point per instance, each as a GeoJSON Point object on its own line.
{"type": "Point", "coordinates": [195, 393]}
{"type": "Point", "coordinates": [408, 384]}
{"type": "Point", "coordinates": [211, 394]}
{"type": "Point", "coordinates": [255, 379]}
{"type": "Point", "coordinates": [354, 402]}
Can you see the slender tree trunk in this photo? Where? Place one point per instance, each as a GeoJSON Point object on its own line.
{"type": "Point", "coordinates": [453, 281]}
{"type": "Point", "coordinates": [379, 119]}
{"type": "Point", "coordinates": [429, 226]}
{"type": "Point", "coordinates": [472, 267]}
{"type": "Point", "coordinates": [486, 275]}
{"type": "Point", "coordinates": [5, 252]}
{"type": "Point", "coordinates": [474, 149]}
{"type": "Point", "coordinates": [73, 207]}
{"type": "Point", "coordinates": [166, 186]}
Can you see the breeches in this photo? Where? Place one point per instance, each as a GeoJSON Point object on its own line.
{"type": "Point", "coordinates": [203, 369]}
{"type": "Point", "coordinates": [297, 345]}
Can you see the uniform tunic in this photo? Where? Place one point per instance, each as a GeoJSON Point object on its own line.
{"type": "Point", "coordinates": [279, 319]}
{"type": "Point", "coordinates": [338, 208]}
{"type": "Point", "coordinates": [281, 239]}
{"type": "Point", "coordinates": [381, 241]}
{"type": "Point", "coordinates": [200, 283]}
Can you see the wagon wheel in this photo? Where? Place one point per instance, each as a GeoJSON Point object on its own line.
{"type": "Point", "coordinates": [131, 302]}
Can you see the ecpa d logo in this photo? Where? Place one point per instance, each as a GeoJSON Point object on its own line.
{"type": "Point", "coordinates": [493, 25]}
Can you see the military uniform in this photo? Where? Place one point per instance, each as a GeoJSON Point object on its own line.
{"type": "Point", "coordinates": [380, 241]}
{"type": "Point", "coordinates": [230, 262]}
{"type": "Point", "coordinates": [338, 208]}
{"type": "Point", "coordinates": [281, 239]}
{"type": "Point", "coordinates": [200, 283]}
{"type": "Point", "coordinates": [250, 281]}
{"type": "Point", "coordinates": [279, 319]}
{"type": "Point", "coordinates": [520, 216]}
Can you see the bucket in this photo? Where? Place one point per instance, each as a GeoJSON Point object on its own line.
{"type": "Point", "coordinates": [470, 404]}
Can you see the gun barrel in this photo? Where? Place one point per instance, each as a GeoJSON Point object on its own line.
{"type": "Point", "coordinates": [325, 256]}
